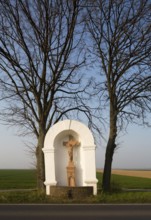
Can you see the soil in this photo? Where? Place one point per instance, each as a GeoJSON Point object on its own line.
{"type": "Point", "coordinates": [137, 173]}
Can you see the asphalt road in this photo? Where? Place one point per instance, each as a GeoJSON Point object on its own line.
{"type": "Point", "coordinates": [75, 212]}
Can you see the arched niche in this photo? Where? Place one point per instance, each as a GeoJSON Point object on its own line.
{"type": "Point", "coordinates": [61, 158]}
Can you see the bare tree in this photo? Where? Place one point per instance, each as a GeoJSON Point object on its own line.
{"type": "Point", "coordinates": [121, 34]}
{"type": "Point", "coordinates": [40, 55]}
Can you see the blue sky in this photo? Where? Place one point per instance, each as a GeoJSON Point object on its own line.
{"type": "Point", "coordinates": [13, 152]}
{"type": "Point", "coordinates": [134, 151]}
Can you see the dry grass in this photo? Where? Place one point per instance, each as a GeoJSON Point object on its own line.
{"type": "Point", "coordinates": [137, 173]}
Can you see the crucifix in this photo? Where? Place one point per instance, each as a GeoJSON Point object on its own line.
{"type": "Point", "coordinates": [71, 168]}
{"type": "Point", "coordinates": [70, 145]}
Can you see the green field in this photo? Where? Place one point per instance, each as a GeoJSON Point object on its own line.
{"type": "Point", "coordinates": [17, 179]}
{"type": "Point", "coordinates": [26, 179]}
{"type": "Point", "coordinates": [127, 182]}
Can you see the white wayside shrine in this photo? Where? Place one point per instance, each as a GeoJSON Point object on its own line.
{"type": "Point", "coordinates": [69, 154]}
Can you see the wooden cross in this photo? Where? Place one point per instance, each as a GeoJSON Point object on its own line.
{"type": "Point", "coordinates": [70, 145]}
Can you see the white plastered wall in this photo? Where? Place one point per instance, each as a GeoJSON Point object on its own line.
{"type": "Point", "coordinates": [56, 155]}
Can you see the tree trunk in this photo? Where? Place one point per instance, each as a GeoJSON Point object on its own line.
{"type": "Point", "coordinates": [40, 161]}
{"type": "Point", "coordinates": [106, 183]}
{"type": "Point", "coordinates": [111, 145]}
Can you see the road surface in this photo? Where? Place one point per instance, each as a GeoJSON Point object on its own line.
{"type": "Point", "coordinates": [75, 212]}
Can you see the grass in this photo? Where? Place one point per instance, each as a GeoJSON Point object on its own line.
{"type": "Point", "coordinates": [124, 197]}
{"type": "Point", "coordinates": [127, 182]}
{"type": "Point", "coordinates": [131, 182]}
{"type": "Point", "coordinates": [26, 179]}
{"type": "Point", "coordinates": [40, 197]}
{"type": "Point", "coordinates": [17, 179]}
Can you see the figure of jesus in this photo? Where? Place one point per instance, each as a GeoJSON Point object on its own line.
{"type": "Point", "coordinates": [70, 145]}
{"type": "Point", "coordinates": [70, 152]}
{"type": "Point", "coordinates": [71, 168]}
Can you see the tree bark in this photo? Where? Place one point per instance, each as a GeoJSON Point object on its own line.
{"type": "Point", "coordinates": [40, 161]}
{"type": "Point", "coordinates": [106, 183]}
{"type": "Point", "coordinates": [111, 145]}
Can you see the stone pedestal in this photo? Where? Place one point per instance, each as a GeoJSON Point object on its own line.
{"type": "Point", "coordinates": [66, 192]}
{"type": "Point", "coordinates": [71, 174]}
